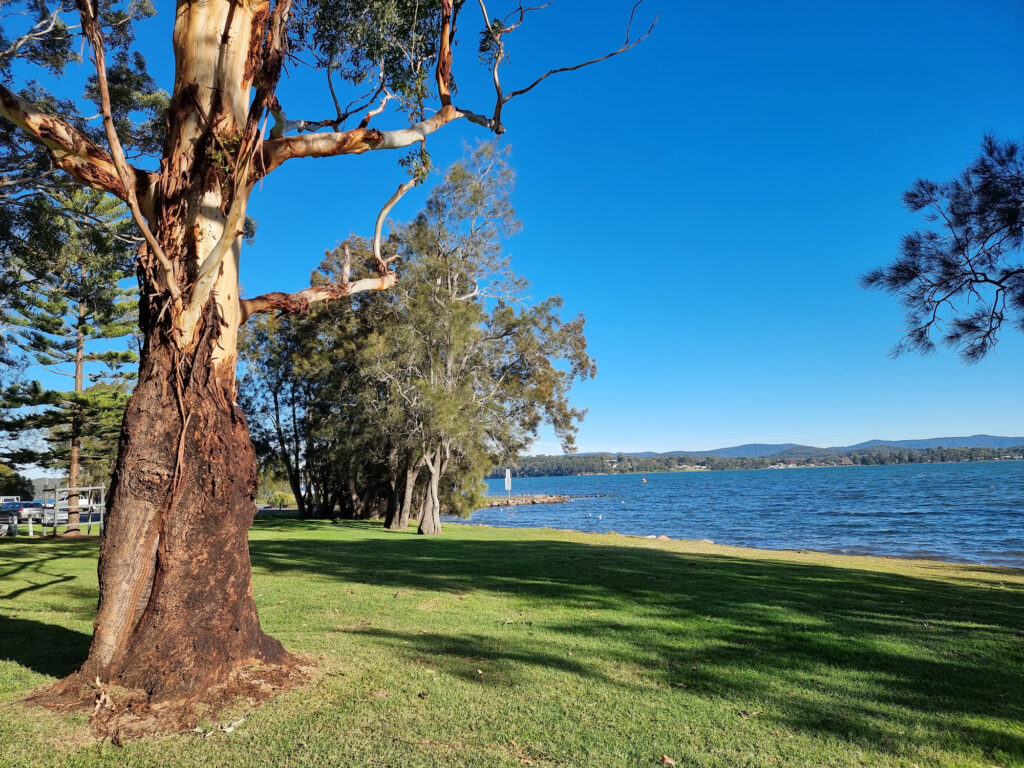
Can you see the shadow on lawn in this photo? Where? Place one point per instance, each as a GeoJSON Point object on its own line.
{"type": "Point", "coordinates": [865, 656]}
{"type": "Point", "coordinates": [38, 565]}
{"type": "Point", "coordinates": [48, 649]}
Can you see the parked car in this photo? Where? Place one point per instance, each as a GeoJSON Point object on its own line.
{"type": "Point", "coordinates": [47, 516]}
{"type": "Point", "coordinates": [26, 510]}
{"type": "Point", "coordinates": [7, 509]}
{"type": "Point", "coordinates": [86, 515]}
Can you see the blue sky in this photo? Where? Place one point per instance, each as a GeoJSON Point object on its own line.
{"type": "Point", "coordinates": [708, 201]}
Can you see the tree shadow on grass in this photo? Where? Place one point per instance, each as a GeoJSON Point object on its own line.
{"type": "Point", "coordinates": [48, 649]}
{"type": "Point", "coordinates": [36, 566]}
{"type": "Point", "coordinates": [862, 655]}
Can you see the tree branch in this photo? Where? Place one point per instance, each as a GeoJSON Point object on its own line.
{"type": "Point", "coordinates": [363, 139]}
{"type": "Point", "coordinates": [382, 263]}
{"type": "Point", "coordinates": [300, 301]}
{"type": "Point", "coordinates": [91, 27]}
{"type": "Point", "coordinates": [72, 152]}
{"type": "Point", "coordinates": [627, 45]}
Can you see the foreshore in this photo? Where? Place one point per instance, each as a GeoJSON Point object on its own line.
{"type": "Point", "coordinates": [526, 499]}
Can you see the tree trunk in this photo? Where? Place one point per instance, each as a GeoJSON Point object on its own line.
{"type": "Point", "coordinates": [430, 522]}
{"type": "Point", "coordinates": [75, 462]}
{"type": "Point", "coordinates": [393, 502]}
{"type": "Point", "coordinates": [401, 519]}
{"type": "Point", "coordinates": [291, 463]}
{"type": "Point", "coordinates": [176, 614]}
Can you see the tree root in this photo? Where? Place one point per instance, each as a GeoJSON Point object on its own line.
{"type": "Point", "coordinates": [121, 714]}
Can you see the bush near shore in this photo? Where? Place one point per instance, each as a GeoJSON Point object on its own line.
{"type": "Point", "coordinates": [505, 647]}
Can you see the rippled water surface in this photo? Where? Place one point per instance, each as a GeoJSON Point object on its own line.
{"type": "Point", "coordinates": [972, 512]}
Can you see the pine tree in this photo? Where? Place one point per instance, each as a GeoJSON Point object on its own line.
{"type": "Point", "coordinates": [61, 319]}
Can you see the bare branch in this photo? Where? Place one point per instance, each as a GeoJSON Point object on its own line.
{"type": "Point", "coordinates": [627, 45]}
{"type": "Point", "coordinates": [352, 142]}
{"type": "Point", "coordinates": [382, 264]}
{"type": "Point", "coordinates": [300, 301]}
{"type": "Point", "coordinates": [91, 27]}
{"type": "Point", "coordinates": [72, 152]}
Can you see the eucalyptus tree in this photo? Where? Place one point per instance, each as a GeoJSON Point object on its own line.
{"type": "Point", "coordinates": [185, 479]}
{"type": "Point", "coordinates": [424, 387]}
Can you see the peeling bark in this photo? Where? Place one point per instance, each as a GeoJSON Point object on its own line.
{"type": "Point", "coordinates": [176, 616]}
{"type": "Point", "coordinates": [72, 152]}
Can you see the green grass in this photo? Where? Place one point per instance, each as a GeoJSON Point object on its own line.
{"type": "Point", "coordinates": [500, 647]}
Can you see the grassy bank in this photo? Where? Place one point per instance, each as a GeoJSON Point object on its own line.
{"type": "Point", "coordinates": [513, 647]}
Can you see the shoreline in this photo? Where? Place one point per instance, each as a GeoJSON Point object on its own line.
{"type": "Point", "coordinates": [760, 552]}
{"type": "Point", "coordinates": [760, 469]}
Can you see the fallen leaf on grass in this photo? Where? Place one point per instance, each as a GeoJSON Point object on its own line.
{"type": "Point", "coordinates": [422, 694]}
{"type": "Point", "coordinates": [747, 715]}
{"type": "Point", "coordinates": [666, 760]}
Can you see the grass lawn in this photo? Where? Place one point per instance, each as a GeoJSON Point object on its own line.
{"type": "Point", "coordinates": [503, 647]}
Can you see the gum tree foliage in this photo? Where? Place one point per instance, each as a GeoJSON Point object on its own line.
{"type": "Point", "coordinates": [963, 278]}
{"type": "Point", "coordinates": [397, 409]}
{"type": "Point", "coordinates": [186, 167]}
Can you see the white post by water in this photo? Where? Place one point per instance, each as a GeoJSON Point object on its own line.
{"type": "Point", "coordinates": [508, 484]}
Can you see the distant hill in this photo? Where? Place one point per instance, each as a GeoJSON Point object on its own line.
{"type": "Point", "coordinates": [769, 455]}
{"type": "Point", "coordinates": [794, 451]}
{"type": "Point", "coordinates": [974, 441]}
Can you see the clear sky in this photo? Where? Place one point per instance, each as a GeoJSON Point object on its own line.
{"type": "Point", "coordinates": [708, 201]}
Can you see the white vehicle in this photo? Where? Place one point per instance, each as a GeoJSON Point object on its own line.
{"type": "Point", "coordinates": [90, 503]}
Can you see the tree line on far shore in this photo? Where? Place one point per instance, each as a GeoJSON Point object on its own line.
{"type": "Point", "coordinates": [610, 463]}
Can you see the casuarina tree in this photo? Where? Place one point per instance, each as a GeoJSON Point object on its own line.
{"type": "Point", "coordinates": [176, 614]}
{"type": "Point", "coordinates": [964, 277]}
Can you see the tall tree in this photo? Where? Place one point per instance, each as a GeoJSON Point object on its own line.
{"type": "Point", "coordinates": [185, 479]}
{"type": "Point", "coordinates": [424, 387]}
{"type": "Point", "coordinates": [966, 277]}
{"type": "Point", "coordinates": [475, 366]}
{"type": "Point", "coordinates": [77, 301]}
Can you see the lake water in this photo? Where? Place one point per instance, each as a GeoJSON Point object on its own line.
{"type": "Point", "coordinates": [969, 512]}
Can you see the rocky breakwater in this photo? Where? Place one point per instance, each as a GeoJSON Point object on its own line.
{"type": "Point", "coordinates": [533, 498]}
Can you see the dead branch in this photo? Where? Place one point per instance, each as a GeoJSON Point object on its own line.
{"type": "Point", "coordinates": [497, 33]}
